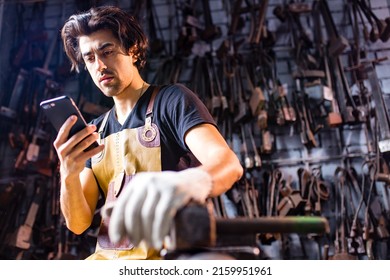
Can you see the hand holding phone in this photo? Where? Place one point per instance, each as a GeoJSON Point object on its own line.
{"type": "Point", "coordinates": [59, 109]}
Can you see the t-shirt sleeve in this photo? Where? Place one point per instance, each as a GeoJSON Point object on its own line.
{"type": "Point", "coordinates": [182, 109]}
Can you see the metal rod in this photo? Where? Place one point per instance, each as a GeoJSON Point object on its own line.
{"type": "Point", "coordinates": [313, 160]}
{"type": "Point", "coordinates": [291, 224]}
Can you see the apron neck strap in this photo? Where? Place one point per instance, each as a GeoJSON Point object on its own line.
{"type": "Point", "coordinates": [149, 110]}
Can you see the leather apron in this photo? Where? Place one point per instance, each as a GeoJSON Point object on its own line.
{"type": "Point", "coordinates": [125, 153]}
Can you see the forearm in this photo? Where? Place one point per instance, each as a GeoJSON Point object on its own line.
{"type": "Point", "coordinates": [224, 172]}
{"type": "Point", "coordinates": [74, 206]}
{"type": "Point", "coordinates": [216, 157]}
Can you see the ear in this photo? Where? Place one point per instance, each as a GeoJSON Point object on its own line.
{"type": "Point", "coordinates": [132, 51]}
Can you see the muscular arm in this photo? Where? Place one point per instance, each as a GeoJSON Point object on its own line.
{"type": "Point", "coordinates": [79, 190]}
{"type": "Point", "coordinates": [216, 157]}
{"type": "Point", "coordinates": [79, 196]}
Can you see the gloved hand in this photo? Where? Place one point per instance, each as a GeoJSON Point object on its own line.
{"type": "Point", "coordinates": [147, 206]}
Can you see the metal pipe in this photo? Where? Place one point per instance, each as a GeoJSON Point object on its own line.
{"type": "Point", "coordinates": [301, 224]}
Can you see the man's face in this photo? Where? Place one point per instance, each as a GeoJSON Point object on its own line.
{"type": "Point", "coordinates": [110, 67]}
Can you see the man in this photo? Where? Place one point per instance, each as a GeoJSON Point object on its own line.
{"type": "Point", "coordinates": [159, 146]}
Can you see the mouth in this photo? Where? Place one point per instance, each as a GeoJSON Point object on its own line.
{"type": "Point", "coordinates": [105, 79]}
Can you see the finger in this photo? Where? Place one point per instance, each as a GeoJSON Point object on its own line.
{"type": "Point", "coordinates": [80, 147]}
{"type": "Point", "coordinates": [83, 138]}
{"type": "Point", "coordinates": [133, 220]}
{"type": "Point", "coordinates": [116, 229]}
{"type": "Point", "coordinates": [107, 210]}
{"type": "Point", "coordinates": [165, 211]}
{"type": "Point", "coordinates": [65, 144]}
{"type": "Point", "coordinates": [148, 214]}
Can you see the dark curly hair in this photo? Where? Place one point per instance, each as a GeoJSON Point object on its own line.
{"type": "Point", "coordinates": [124, 27]}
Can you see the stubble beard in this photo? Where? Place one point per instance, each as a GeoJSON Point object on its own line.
{"type": "Point", "coordinates": [110, 90]}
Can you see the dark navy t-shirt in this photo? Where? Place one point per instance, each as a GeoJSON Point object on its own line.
{"type": "Point", "coordinates": [176, 110]}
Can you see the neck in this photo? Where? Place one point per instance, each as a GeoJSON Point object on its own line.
{"type": "Point", "coordinates": [124, 106]}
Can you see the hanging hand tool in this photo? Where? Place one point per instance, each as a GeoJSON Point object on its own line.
{"type": "Point", "coordinates": [337, 43]}
{"type": "Point", "coordinates": [248, 161]}
{"type": "Point", "coordinates": [258, 28]}
{"type": "Point", "coordinates": [157, 44]}
{"type": "Point", "coordinates": [188, 33]}
{"type": "Point", "coordinates": [242, 112]}
{"type": "Point", "coordinates": [211, 31]}
{"type": "Point", "coordinates": [380, 109]}
{"type": "Point", "coordinates": [334, 117]}
{"type": "Point", "coordinates": [355, 236]}
{"type": "Point", "coordinates": [224, 107]}
{"type": "Point", "coordinates": [291, 202]}
{"type": "Point", "coordinates": [237, 21]}
{"type": "Point", "coordinates": [341, 247]}
{"type": "Point", "coordinates": [24, 232]}
{"type": "Point", "coordinates": [325, 92]}
{"type": "Point", "coordinates": [256, 156]}
{"type": "Point", "coordinates": [378, 26]}
{"type": "Point", "coordinates": [214, 99]}
{"type": "Point", "coordinates": [306, 132]}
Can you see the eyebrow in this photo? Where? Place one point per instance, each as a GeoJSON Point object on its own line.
{"type": "Point", "coordinates": [102, 47]}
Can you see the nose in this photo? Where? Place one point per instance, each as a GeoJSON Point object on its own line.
{"type": "Point", "coordinates": [100, 65]}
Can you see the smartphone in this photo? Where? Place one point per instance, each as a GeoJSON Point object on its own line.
{"type": "Point", "coordinates": [59, 109]}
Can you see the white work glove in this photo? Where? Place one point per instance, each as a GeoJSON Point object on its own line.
{"type": "Point", "coordinates": [147, 206]}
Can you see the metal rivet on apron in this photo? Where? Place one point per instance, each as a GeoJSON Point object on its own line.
{"type": "Point", "coordinates": [149, 132]}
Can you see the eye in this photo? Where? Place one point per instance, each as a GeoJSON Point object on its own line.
{"type": "Point", "coordinates": [89, 58]}
{"type": "Point", "coordinates": [108, 52]}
